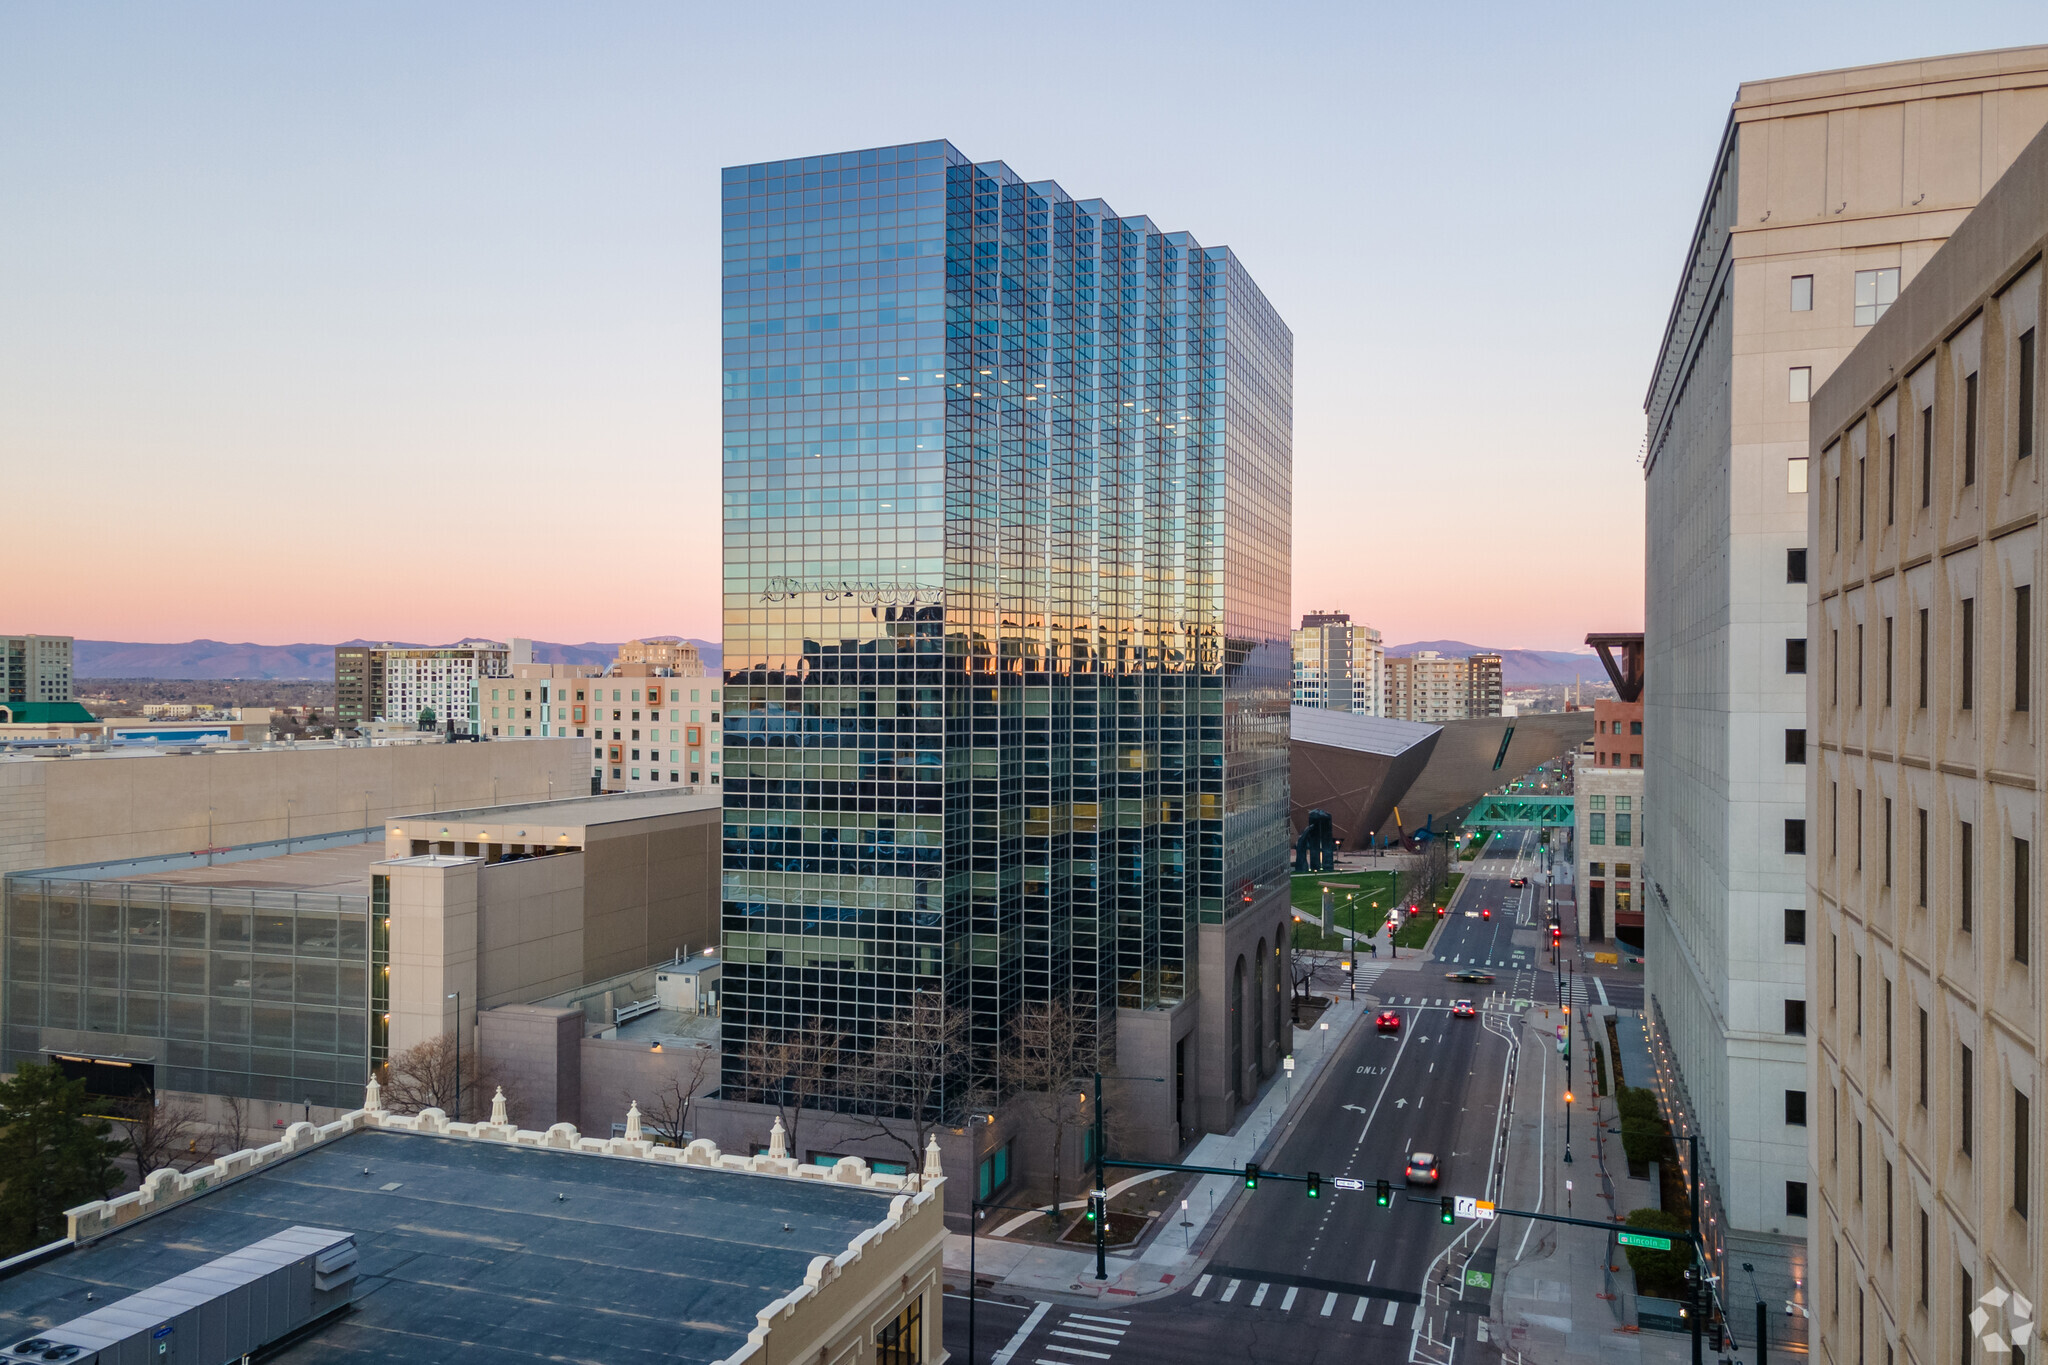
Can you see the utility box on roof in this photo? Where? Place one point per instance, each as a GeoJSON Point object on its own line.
{"type": "Point", "coordinates": [223, 1310]}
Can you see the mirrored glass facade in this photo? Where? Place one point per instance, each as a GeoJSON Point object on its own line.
{"type": "Point", "coordinates": [1007, 562]}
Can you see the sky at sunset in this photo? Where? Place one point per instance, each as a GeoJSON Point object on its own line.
{"type": "Point", "coordinates": [401, 321]}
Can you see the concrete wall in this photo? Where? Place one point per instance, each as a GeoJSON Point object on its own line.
{"type": "Point", "coordinates": [61, 812]}
{"type": "Point", "coordinates": [433, 947]}
{"type": "Point", "coordinates": [537, 1054]}
{"type": "Point", "coordinates": [649, 889]}
{"type": "Point", "coordinates": [1460, 768]}
{"type": "Point", "coordinates": [530, 933]}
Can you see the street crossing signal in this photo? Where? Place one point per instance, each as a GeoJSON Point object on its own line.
{"type": "Point", "coordinates": [1383, 1192]}
{"type": "Point", "coordinates": [1251, 1175]}
{"type": "Point", "coordinates": [1315, 1185]}
{"type": "Point", "coordinates": [1449, 1213]}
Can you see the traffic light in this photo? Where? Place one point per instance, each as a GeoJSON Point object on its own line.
{"type": "Point", "coordinates": [1094, 1207]}
{"type": "Point", "coordinates": [1383, 1193]}
{"type": "Point", "coordinates": [1251, 1175]}
{"type": "Point", "coordinates": [1315, 1186]}
{"type": "Point", "coordinates": [1448, 1212]}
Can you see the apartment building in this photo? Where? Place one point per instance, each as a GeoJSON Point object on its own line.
{"type": "Point", "coordinates": [676, 655]}
{"type": "Point", "coordinates": [1924, 771]}
{"type": "Point", "coordinates": [1338, 665]}
{"type": "Point", "coordinates": [651, 728]}
{"type": "Point", "coordinates": [35, 669]}
{"type": "Point", "coordinates": [401, 682]}
{"type": "Point", "coordinates": [1827, 194]}
{"type": "Point", "coordinates": [1431, 687]}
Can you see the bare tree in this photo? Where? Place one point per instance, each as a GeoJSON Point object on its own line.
{"type": "Point", "coordinates": [424, 1077]}
{"type": "Point", "coordinates": [165, 1133]}
{"type": "Point", "coordinates": [903, 1086]}
{"type": "Point", "coordinates": [1052, 1051]}
{"type": "Point", "coordinates": [230, 1132]}
{"type": "Point", "coordinates": [792, 1070]}
{"type": "Point", "coordinates": [667, 1111]}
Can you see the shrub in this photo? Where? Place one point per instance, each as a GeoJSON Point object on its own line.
{"type": "Point", "coordinates": [1660, 1274]}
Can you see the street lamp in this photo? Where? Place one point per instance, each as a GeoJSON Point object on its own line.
{"type": "Point", "coordinates": [456, 996]}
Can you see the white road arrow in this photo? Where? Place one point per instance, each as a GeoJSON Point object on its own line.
{"type": "Point", "coordinates": [1357, 1108]}
{"type": "Point", "coordinates": [1401, 1103]}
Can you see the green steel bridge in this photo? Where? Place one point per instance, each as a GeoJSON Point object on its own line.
{"type": "Point", "coordinates": [1501, 812]}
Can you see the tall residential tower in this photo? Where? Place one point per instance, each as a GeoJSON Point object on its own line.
{"type": "Point", "coordinates": [1007, 562]}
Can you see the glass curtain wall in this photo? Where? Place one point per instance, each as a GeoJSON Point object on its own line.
{"type": "Point", "coordinates": [995, 711]}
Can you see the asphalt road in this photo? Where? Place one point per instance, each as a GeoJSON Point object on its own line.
{"type": "Point", "coordinates": [1295, 1280]}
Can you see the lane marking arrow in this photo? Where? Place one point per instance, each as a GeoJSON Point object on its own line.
{"type": "Point", "coordinates": [1357, 1108]}
{"type": "Point", "coordinates": [1401, 1103]}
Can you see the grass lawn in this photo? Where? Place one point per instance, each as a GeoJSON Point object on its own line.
{"type": "Point", "coordinates": [1363, 910]}
{"type": "Point", "coordinates": [1477, 846]}
{"type": "Point", "coordinates": [1416, 932]}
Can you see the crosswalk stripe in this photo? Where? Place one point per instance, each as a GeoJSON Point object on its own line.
{"type": "Point", "coordinates": [1202, 1284]}
{"type": "Point", "coordinates": [1259, 1295]}
{"type": "Point", "coordinates": [1358, 1313]}
{"type": "Point", "coordinates": [1287, 1303]}
{"type": "Point", "coordinates": [1416, 1326]}
{"type": "Point", "coordinates": [1230, 1291]}
{"type": "Point", "coordinates": [1083, 1336]}
{"type": "Point", "coordinates": [1077, 1351]}
{"type": "Point", "coordinates": [1329, 1303]}
{"type": "Point", "coordinates": [1392, 1309]}
{"type": "Point", "coordinates": [1120, 1323]}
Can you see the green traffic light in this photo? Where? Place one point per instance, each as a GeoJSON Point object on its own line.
{"type": "Point", "coordinates": [1449, 1214]}
{"type": "Point", "coordinates": [1315, 1185]}
{"type": "Point", "coordinates": [1383, 1193]}
{"type": "Point", "coordinates": [1251, 1175]}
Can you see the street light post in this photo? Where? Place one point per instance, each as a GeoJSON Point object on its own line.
{"type": "Point", "coordinates": [456, 996]}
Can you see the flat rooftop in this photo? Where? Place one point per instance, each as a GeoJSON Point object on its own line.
{"type": "Point", "coordinates": [343, 871]}
{"type": "Point", "coordinates": [572, 811]}
{"type": "Point", "coordinates": [467, 1253]}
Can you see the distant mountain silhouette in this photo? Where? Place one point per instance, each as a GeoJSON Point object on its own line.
{"type": "Point", "coordinates": [212, 659]}
{"type": "Point", "coordinates": [1518, 667]}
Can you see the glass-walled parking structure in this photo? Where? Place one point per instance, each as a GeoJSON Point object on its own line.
{"type": "Point", "coordinates": [1007, 499]}
{"type": "Point", "coordinates": [262, 994]}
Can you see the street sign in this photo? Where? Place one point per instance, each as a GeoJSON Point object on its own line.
{"type": "Point", "coordinates": [1479, 1279]}
{"type": "Point", "coordinates": [1482, 1209]}
{"type": "Point", "coordinates": [1644, 1240]}
{"type": "Point", "coordinates": [1346, 1183]}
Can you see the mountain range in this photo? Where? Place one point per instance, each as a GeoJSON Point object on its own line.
{"type": "Point", "coordinates": [1518, 667]}
{"type": "Point", "coordinates": [215, 659]}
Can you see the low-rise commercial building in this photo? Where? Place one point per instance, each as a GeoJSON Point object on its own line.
{"type": "Point", "coordinates": [495, 1242]}
{"type": "Point", "coordinates": [1924, 1001]}
{"type": "Point", "coordinates": [288, 971]}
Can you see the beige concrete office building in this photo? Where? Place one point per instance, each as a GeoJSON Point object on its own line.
{"type": "Point", "coordinates": [35, 668]}
{"type": "Point", "coordinates": [1431, 688]}
{"type": "Point", "coordinates": [1926, 999]}
{"type": "Point", "coordinates": [1828, 192]}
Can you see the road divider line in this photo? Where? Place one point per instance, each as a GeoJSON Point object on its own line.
{"type": "Point", "coordinates": [1010, 1347]}
{"type": "Point", "coordinates": [1420, 1314]}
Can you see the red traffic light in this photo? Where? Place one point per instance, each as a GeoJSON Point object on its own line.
{"type": "Point", "coordinates": [1439, 912]}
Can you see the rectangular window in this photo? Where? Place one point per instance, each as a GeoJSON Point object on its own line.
{"type": "Point", "coordinates": [1859, 665]}
{"type": "Point", "coordinates": [900, 1341]}
{"type": "Point", "coordinates": [1795, 746]}
{"type": "Point", "coordinates": [1795, 926]}
{"type": "Point", "coordinates": [1969, 429]}
{"type": "Point", "coordinates": [1927, 456]}
{"type": "Point", "coordinates": [1920, 860]}
{"type": "Point", "coordinates": [2022, 900]}
{"type": "Point", "coordinates": [994, 1171]}
{"type": "Point", "coordinates": [1923, 659]}
{"type": "Point", "coordinates": [1795, 656]}
{"type": "Point", "coordinates": [2022, 1150]}
{"type": "Point", "coordinates": [1923, 1059]}
{"type": "Point", "coordinates": [1802, 293]}
{"type": "Point", "coordinates": [1876, 290]}
{"type": "Point", "coordinates": [1795, 1108]}
{"type": "Point", "coordinates": [1795, 474]}
{"type": "Point", "coordinates": [1795, 1018]}
{"type": "Point", "coordinates": [1966, 1094]}
{"type": "Point", "coordinates": [1799, 385]}
{"type": "Point", "coordinates": [1969, 632]}
{"type": "Point", "coordinates": [1891, 478]}
{"type": "Point", "coordinates": [2023, 648]}
{"type": "Point", "coordinates": [1926, 1257]}
{"type": "Point", "coordinates": [1795, 1199]}
{"type": "Point", "coordinates": [1834, 667]}
{"type": "Point", "coordinates": [1795, 836]}
{"type": "Point", "coordinates": [1622, 831]}
{"type": "Point", "coordinates": [1795, 566]}
{"type": "Point", "coordinates": [1862, 494]}
{"type": "Point", "coordinates": [1887, 662]}
{"type": "Point", "coordinates": [1887, 1023]}
{"type": "Point", "coordinates": [1887, 841]}
{"type": "Point", "coordinates": [1966, 874]}
{"type": "Point", "coordinates": [1838, 512]}
{"type": "Point", "coordinates": [2025, 443]}
{"type": "Point", "coordinates": [1596, 829]}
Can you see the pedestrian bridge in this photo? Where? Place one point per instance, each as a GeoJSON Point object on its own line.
{"type": "Point", "coordinates": [1500, 812]}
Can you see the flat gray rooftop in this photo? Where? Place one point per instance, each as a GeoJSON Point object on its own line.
{"type": "Point", "coordinates": [575, 810]}
{"type": "Point", "coordinates": [473, 1258]}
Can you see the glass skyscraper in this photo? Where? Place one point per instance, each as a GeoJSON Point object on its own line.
{"type": "Point", "coordinates": [1007, 560]}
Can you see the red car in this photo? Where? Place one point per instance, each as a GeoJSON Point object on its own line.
{"type": "Point", "coordinates": [1388, 1021]}
{"type": "Point", "coordinates": [1462, 1009]}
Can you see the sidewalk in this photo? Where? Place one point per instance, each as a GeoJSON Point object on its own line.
{"type": "Point", "coordinates": [1173, 1249]}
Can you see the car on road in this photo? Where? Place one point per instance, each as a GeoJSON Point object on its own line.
{"type": "Point", "coordinates": [1476, 978]}
{"type": "Point", "coordinates": [1388, 1022]}
{"type": "Point", "coordinates": [1518, 881]}
{"type": "Point", "coordinates": [1462, 1009]}
{"type": "Point", "coordinates": [1422, 1168]}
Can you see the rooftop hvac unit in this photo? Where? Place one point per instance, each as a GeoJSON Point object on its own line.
{"type": "Point", "coordinates": [223, 1310]}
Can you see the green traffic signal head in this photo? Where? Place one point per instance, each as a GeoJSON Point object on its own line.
{"type": "Point", "coordinates": [1383, 1193]}
{"type": "Point", "coordinates": [1315, 1185]}
{"type": "Point", "coordinates": [1449, 1214]}
{"type": "Point", "coordinates": [1251, 1175]}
